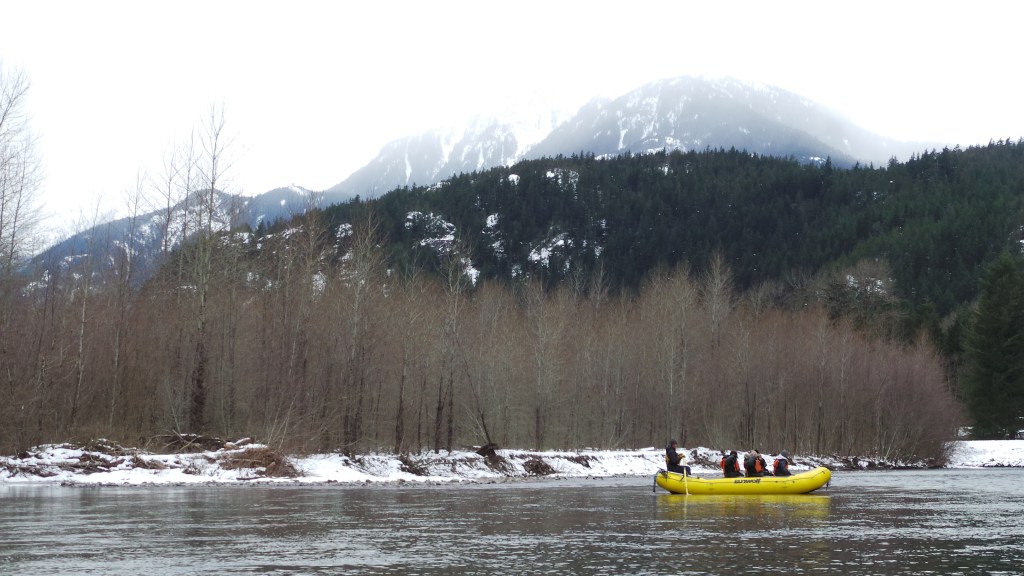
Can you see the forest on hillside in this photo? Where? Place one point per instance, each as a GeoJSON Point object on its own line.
{"type": "Point", "coordinates": [933, 221]}
{"type": "Point", "coordinates": [726, 299]}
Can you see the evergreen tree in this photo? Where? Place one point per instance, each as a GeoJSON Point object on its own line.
{"type": "Point", "coordinates": [993, 379]}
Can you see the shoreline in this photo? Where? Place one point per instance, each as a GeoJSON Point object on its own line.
{"type": "Point", "coordinates": [103, 463]}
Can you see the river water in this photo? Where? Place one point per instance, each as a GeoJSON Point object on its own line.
{"type": "Point", "coordinates": [906, 522]}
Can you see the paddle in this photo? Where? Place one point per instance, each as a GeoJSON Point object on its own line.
{"type": "Point", "coordinates": [686, 474]}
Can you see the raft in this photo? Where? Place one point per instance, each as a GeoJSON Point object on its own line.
{"type": "Point", "coordinates": [801, 483]}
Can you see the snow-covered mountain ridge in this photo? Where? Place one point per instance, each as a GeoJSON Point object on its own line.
{"type": "Point", "coordinates": [431, 156]}
{"type": "Point", "coordinates": [685, 113]}
{"type": "Point", "coordinates": [142, 239]}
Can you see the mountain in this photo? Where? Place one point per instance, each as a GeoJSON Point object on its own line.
{"type": "Point", "coordinates": [695, 114]}
{"type": "Point", "coordinates": [142, 239]}
{"type": "Point", "coordinates": [432, 156]}
{"type": "Point", "coordinates": [685, 113]}
{"type": "Point", "coordinates": [277, 204]}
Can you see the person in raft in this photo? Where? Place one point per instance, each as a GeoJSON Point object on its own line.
{"type": "Point", "coordinates": [674, 460]}
{"type": "Point", "coordinates": [731, 465]}
{"type": "Point", "coordinates": [781, 464]}
{"type": "Point", "coordinates": [754, 464]}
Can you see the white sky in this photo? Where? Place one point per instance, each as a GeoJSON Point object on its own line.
{"type": "Point", "coordinates": [313, 89]}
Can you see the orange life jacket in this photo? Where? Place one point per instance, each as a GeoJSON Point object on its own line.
{"type": "Point", "coordinates": [735, 464]}
{"type": "Point", "coordinates": [781, 464]}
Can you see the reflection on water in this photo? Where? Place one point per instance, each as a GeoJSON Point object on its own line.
{"type": "Point", "coordinates": [765, 510]}
{"type": "Point", "coordinates": [939, 522]}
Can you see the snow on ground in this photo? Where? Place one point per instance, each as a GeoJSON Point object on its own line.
{"type": "Point", "coordinates": [987, 454]}
{"type": "Point", "coordinates": [114, 465]}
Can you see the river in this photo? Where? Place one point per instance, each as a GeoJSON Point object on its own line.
{"type": "Point", "coordinates": [901, 522]}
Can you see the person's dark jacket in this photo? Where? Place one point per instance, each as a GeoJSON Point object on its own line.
{"type": "Point", "coordinates": [673, 461]}
{"type": "Point", "coordinates": [731, 466]}
{"type": "Point", "coordinates": [781, 467]}
{"type": "Point", "coordinates": [755, 465]}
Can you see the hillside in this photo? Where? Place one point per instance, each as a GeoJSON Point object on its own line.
{"type": "Point", "coordinates": [930, 223]}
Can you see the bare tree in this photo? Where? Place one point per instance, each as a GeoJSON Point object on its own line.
{"type": "Point", "coordinates": [20, 171]}
{"type": "Point", "coordinates": [19, 176]}
{"type": "Point", "coordinates": [547, 320]}
{"type": "Point", "coordinates": [211, 165]}
{"type": "Point", "coordinates": [361, 276]}
{"type": "Point", "coordinates": [172, 187]}
{"type": "Point", "coordinates": [670, 311]}
{"type": "Point", "coordinates": [410, 313]}
{"type": "Point", "coordinates": [296, 266]}
{"type": "Point", "coordinates": [717, 291]}
{"type": "Point", "coordinates": [490, 355]}
{"type": "Point", "coordinates": [453, 359]}
{"type": "Point", "coordinates": [124, 261]}
{"type": "Point", "coordinates": [81, 295]}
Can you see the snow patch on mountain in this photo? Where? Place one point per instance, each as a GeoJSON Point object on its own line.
{"type": "Point", "coordinates": [558, 245]}
{"type": "Point", "coordinates": [492, 232]}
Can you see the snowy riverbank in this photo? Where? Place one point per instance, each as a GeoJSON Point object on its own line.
{"type": "Point", "coordinates": [105, 463]}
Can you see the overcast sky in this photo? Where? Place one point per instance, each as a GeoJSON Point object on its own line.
{"type": "Point", "coordinates": [313, 90]}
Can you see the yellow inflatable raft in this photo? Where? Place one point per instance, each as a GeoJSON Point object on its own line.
{"type": "Point", "coordinates": [801, 483]}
